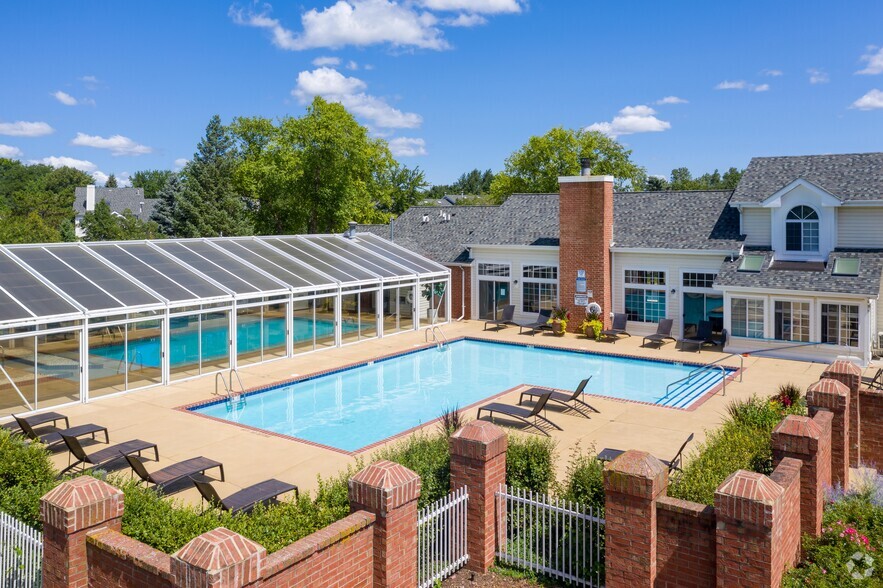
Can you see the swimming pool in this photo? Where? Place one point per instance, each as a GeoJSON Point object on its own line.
{"type": "Point", "coordinates": [356, 407]}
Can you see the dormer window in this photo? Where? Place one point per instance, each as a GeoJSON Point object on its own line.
{"type": "Point", "coordinates": [802, 229]}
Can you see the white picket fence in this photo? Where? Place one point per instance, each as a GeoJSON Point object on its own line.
{"type": "Point", "coordinates": [557, 538]}
{"type": "Point", "coordinates": [441, 538]}
{"type": "Point", "coordinates": [21, 553]}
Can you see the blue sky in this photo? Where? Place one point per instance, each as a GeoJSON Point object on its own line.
{"type": "Point", "coordinates": [452, 84]}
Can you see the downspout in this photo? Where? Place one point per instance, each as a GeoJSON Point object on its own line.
{"type": "Point", "coordinates": [462, 293]}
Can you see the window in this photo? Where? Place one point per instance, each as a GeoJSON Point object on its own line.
{"type": "Point", "coordinates": [539, 287]}
{"type": "Point", "coordinates": [645, 277]}
{"type": "Point", "coordinates": [746, 317]}
{"type": "Point", "coordinates": [751, 263]}
{"type": "Point", "coordinates": [802, 229]}
{"type": "Point", "coordinates": [847, 266]}
{"type": "Point", "coordinates": [792, 320]}
{"type": "Point", "coordinates": [493, 269]}
{"type": "Point", "coordinates": [643, 302]}
{"type": "Point", "coordinates": [840, 324]}
{"type": "Point", "coordinates": [541, 272]}
{"type": "Point", "coordinates": [696, 280]}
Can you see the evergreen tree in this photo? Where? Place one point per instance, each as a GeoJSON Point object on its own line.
{"type": "Point", "coordinates": [164, 214]}
{"type": "Point", "coordinates": [68, 231]}
{"type": "Point", "coordinates": [111, 182]}
{"type": "Point", "coordinates": [101, 224]}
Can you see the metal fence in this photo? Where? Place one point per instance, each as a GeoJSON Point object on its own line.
{"type": "Point", "coordinates": [558, 538]}
{"type": "Point", "coordinates": [21, 554]}
{"type": "Point", "coordinates": [441, 538]}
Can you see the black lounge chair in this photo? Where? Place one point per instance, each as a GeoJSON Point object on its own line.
{"type": "Point", "coordinates": [161, 479]}
{"type": "Point", "coordinates": [506, 319]}
{"type": "Point", "coordinates": [106, 455]}
{"type": "Point", "coordinates": [875, 382]}
{"type": "Point", "coordinates": [674, 464]}
{"type": "Point", "coordinates": [702, 337]}
{"type": "Point", "coordinates": [52, 435]}
{"type": "Point", "coordinates": [522, 414]}
{"type": "Point", "coordinates": [540, 324]}
{"type": "Point", "coordinates": [570, 400]}
{"type": "Point", "coordinates": [662, 334]}
{"type": "Point", "coordinates": [620, 322]}
{"type": "Point", "coordinates": [720, 340]}
{"type": "Point", "coordinates": [245, 500]}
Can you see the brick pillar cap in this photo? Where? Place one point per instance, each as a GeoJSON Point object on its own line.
{"type": "Point", "coordinates": [636, 473]}
{"type": "Point", "coordinates": [384, 486]}
{"type": "Point", "coordinates": [81, 503]}
{"type": "Point", "coordinates": [798, 426]}
{"type": "Point", "coordinates": [751, 486]}
{"type": "Point", "coordinates": [843, 366]}
{"type": "Point", "coordinates": [218, 551]}
{"type": "Point", "coordinates": [829, 386]}
{"type": "Point", "coordinates": [479, 440]}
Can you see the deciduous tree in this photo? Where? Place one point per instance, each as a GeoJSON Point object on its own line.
{"type": "Point", "coordinates": [151, 180]}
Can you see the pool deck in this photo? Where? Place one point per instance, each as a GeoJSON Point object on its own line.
{"type": "Point", "coordinates": [250, 456]}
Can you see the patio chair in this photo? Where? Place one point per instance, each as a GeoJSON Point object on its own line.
{"type": "Point", "coordinates": [247, 499]}
{"type": "Point", "coordinates": [167, 476]}
{"type": "Point", "coordinates": [875, 382]}
{"type": "Point", "coordinates": [541, 323]}
{"type": "Point", "coordinates": [703, 336]}
{"type": "Point", "coordinates": [52, 435]}
{"type": "Point", "coordinates": [673, 464]}
{"type": "Point", "coordinates": [505, 320]}
{"type": "Point", "coordinates": [620, 322]}
{"type": "Point", "coordinates": [570, 400]}
{"type": "Point", "coordinates": [106, 455]}
{"type": "Point", "coordinates": [662, 334]}
{"type": "Point", "coordinates": [522, 414]}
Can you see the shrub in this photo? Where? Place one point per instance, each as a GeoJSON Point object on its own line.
{"type": "Point", "coordinates": [451, 420]}
{"type": "Point", "coordinates": [428, 455]}
{"type": "Point", "coordinates": [530, 463]}
{"type": "Point", "coordinates": [584, 481]}
{"type": "Point", "coordinates": [26, 474]}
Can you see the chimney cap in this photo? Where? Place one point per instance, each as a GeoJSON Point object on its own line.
{"type": "Point", "coordinates": [585, 166]}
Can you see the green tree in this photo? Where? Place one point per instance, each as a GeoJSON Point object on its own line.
{"type": "Point", "coordinates": [731, 178]}
{"type": "Point", "coordinates": [536, 166]}
{"type": "Point", "coordinates": [407, 187]}
{"type": "Point", "coordinates": [16, 176]}
{"type": "Point", "coordinates": [111, 182]}
{"type": "Point", "coordinates": [151, 180]}
{"type": "Point", "coordinates": [682, 179]}
{"type": "Point", "coordinates": [656, 184]}
{"type": "Point", "coordinates": [101, 224]}
{"type": "Point", "coordinates": [164, 213]}
{"type": "Point", "coordinates": [132, 227]}
{"type": "Point", "coordinates": [475, 182]}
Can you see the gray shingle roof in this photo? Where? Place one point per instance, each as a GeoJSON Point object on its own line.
{"type": "Point", "coordinates": [855, 176]}
{"type": "Point", "coordinates": [523, 219]}
{"type": "Point", "coordinates": [866, 283]}
{"type": "Point", "coordinates": [119, 200]}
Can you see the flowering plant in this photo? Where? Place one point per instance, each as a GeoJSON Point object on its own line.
{"type": "Point", "coordinates": [560, 316]}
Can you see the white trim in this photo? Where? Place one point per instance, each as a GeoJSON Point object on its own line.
{"type": "Point", "coordinates": [667, 251]}
{"type": "Point", "coordinates": [777, 292]}
{"type": "Point", "coordinates": [827, 199]}
{"type": "Point", "coordinates": [519, 247]}
{"type": "Point", "coordinates": [584, 179]}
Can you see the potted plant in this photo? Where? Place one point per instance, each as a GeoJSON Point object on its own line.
{"type": "Point", "coordinates": [593, 325]}
{"type": "Point", "coordinates": [558, 320]}
{"type": "Point", "coordinates": [435, 290]}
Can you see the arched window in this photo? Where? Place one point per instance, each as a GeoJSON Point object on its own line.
{"type": "Point", "coordinates": [802, 229]}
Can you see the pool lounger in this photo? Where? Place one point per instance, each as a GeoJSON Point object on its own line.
{"type": "Point", "coordinates": [246, 499]}
{"type": "Point", "coordinates": [522, 414]}
{"type": "Point", "coordinates": [662, 334]}
{"type": "Point", "coordinates": [175, 472]}
{"type": "Point", "coordinates": [570, 400]}
{"type": "Point", "coordinates": [52, 435]}
{"type": "Point", "coordinates": [675, 463]}
{"type": "Point", "coordinates": [106, 455]}
{"type": "Point", "coordinates": [505, 320]}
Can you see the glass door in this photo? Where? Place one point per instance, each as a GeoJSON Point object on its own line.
{"type": "Point", "coordinates": [703, 307]}
{"type": "Point", "coordinates": [493, 296]}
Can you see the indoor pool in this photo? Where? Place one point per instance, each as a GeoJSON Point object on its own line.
{"type": "Point", "coordinates": [359, 406]}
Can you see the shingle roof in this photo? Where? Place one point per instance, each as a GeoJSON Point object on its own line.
{"type": "Point", "coordinates": [523, 219]}
{"type": "Point", "coordinates": [119, 200]}
{"type": "Point", "coordinates": [866, 283]}
{"type": "Point", "coordinates": [854, 176]}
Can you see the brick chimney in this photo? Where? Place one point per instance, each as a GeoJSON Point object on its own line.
{"type": "Point", "coordinates": [586, 230]}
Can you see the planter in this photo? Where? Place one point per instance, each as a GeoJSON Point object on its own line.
{"type": "Point", "coordinates": [558, 329]}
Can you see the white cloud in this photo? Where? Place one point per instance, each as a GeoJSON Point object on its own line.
{"type": "Point", "coordinates": [100, 177]}
{"type": "Point", "coordinates": [349, 91]}
{"type": "Point", "coordinates": [117, 144]}
{"type": "Point", "coordinates": [672, 100]}
{"type": "Point", "coordinates": [741, 85]}
{"type": "Point", "coordinates": [407, 147]}
{"type": "Point", "coordinates": [352, 65]}
{"type": "Point", "coordinates": [351, 22]}
{"type": "Point", "coordinates": [65, 98]}
{"type": "Point", "coordinates": [466, 20]}
{"type": "Point", "coordinates": [80, 164]}
{"type": "Point", "coordinates": [181, 162]}
{"type": "Point", "coordinates": [630, 120]}
{"type": "Point", "coordinates": [759, 88]}
{"type": "Point", "coordinates": [773, 73]}
{"type": "Point", "coordinates": [874, 60]}
{"type": "Point", "coordinates": [873, 100]}
{"type": "Point", "coordinates": [25, 129]}
{"type": "Point", "coordinates": [323, 61]}
{"type": "Point", "coordinates": [10, 152]}
{"type": "Point", "coordinates": [817, 76]}
{"type": "Point", "coordinates": [474, 6]}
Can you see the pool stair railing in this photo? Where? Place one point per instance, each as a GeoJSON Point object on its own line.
{"type": "Point", "coordinates": [437, 335]}
{"type": "Point", "coordinates": [699, 377]}
{"type": "Point", "coordinates": [230, 395]}
{"type": "Point", "coordinates": [136, 354]}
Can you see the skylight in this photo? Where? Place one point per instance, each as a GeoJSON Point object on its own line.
{"type": "Point", "coordinates": [751, 263]}
{"type": "Point", "coordinates": [847, 266]}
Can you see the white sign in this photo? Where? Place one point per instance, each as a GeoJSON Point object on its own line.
{"type": "Point", "coordinates": [580, 300]}
{"type": "Point", "coordinates": [581, 274]}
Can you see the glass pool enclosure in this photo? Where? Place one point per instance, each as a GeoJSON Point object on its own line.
{"type": "Point", "coordinates": [84, 320]}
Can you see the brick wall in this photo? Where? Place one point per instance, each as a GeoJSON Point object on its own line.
{"type": "Point", "coordinates": [458, 276]}
{"type": "Point", "coordinates": [872, 427]}
{"type": "Point", "coordinates": [117, 560]}
{"type": "Point", "coordinates": [686, 553]}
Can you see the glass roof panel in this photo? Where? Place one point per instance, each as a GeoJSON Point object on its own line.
{"type": "Point", "coordinates": [368, 259]}
{"type": "Point", "coordinates": [36, 296]}
{"type": "Point", "coordinates": [322, 259]}
{"type": "Point", "coordinates": [236, 266]}
{"type": "Point", "coordinates": [10, 310]}
{"type": "Point", "coordinates": [65, 279]}
{"type": "Point", "coordinates": [120, 287]}
{"type": "Point", "coordinates": [274, 263]}
{"type": "Point", "coordinates": [408, 263]}
{"type": "Point", "coordinates": [377, 243]}
{"type": "Point", "coordinates": [174, 270]}
{"type": "Point", "coordinates": [751, 263]}
{"type": "Point", "coordinates": [215, 272]}
{"type": "Point", "coordinates": [847, 266]}
{"type": "Point", "coordinates": [143, 273]}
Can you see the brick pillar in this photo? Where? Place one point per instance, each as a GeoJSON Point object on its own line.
{"type": "Point", "coordinates": [219, 558]}
{"type": "Point", "coordinates": [478, 461]}
{"type": "Point", "coordinates": [833, 396]}
{"type": "Point", "coordinates": [849, 374]}
{"type": "Point", "coordinates": [390, 491]}
{"type": "Point", "coordinates": [585, 221]}
{"type": "Point", "coordinates": [632, 483]}
{"type": "Point", "coordinates": [69, 512]}
{"type": "Point", "coordinates": [809, 440]}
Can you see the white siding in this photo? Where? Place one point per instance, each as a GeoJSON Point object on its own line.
{"type": "Point", "coordinates": [756, 227]}
{"type": "Point", "coordinates": [860, 227]}
{"type": "Point", "coordinates": [516, 257]}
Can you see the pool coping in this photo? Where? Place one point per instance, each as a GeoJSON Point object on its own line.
{"type": "Point", "coordinates": [189, 408]}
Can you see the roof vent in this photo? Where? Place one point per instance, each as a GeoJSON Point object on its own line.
{"type": "Point", "coordinates": [425, 218]}
{"type": "Point", "coordinates": [585, 166]}
{"type": "Point", "coordinates": [351, 232]}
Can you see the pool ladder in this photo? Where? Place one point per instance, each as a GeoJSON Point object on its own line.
{"type": "Point", "coordinates": [230, 396]}
{"type": "Point", "coordinates": [714, 365]}
{"type": "Point", "coordinates": [437, 335]}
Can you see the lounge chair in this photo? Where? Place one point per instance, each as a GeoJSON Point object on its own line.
{"type": "Point", "coordinates": [702, 337]}
{"type": "Point", "coordinates": [662, 334]}
{"type": "Point", "coordinates": [720, 340]}
{"type": "Point", "coordinates": [106, 455]}
{"type": "Point", "coordinates": [674, 464]}
{"type": "Point", "coordinates": [506, 319]}
{"type": "Point", "coordinates": [875, 382]}
{"type": "Point", "coordinates": [52, 435]}
{"type": "Point", "coordinates": [523, 414]}
{"type": "Point", "coordinates": [245, 500]}
{"type": "Point", "coordinates": [620, 322]}
{"type": "Point", "coordinates": [570, 400]}
{"type": "Point", "coordinates": [176, 472]}
{"type": "Point", "coordinates": [540, 324]}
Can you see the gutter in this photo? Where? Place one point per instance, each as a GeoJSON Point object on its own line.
{"type": "Point", "coordinates": [462, 293]}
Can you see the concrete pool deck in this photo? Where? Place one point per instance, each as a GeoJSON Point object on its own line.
{"type": "Point", "coordinates": [250, 456]}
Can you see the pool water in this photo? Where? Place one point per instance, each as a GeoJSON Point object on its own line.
{"type": "Point", "coordinates": [359, 406]}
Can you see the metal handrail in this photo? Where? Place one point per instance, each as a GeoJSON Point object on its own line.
{"type": "Point", "coordinates": [720, 359]}
{"type": "Point", "coordinates": [705, 367]}
{"type": "Point", "coordinates": [235, 372]}
{"type": "Point", "coordinates": [226, 388]}
{"type": "Point", "coordinates": [431, 330]}
{"type": "Point", "coordinates": [15, 387]}
{"type": "Point", "coordinates": [2, 355]}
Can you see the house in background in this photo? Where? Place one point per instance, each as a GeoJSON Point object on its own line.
{"type": "Point", "coordinates": [119, 200]}
{"type": "Point", "coordinates": [789, 263]}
